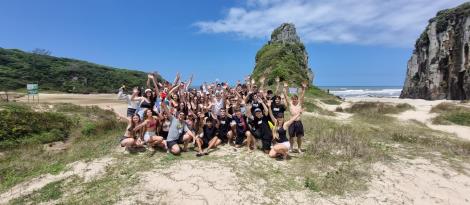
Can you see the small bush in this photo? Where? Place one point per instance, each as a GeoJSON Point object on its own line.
{"type": "Point", "coordinates": [339, 109]}
{"type": "Point", "coordinates": [451, 113]}
{"type": "Point", "coordinates": [21, 125]}
{"type": "Point", "coordinates": [89, 129]}
{"type": "Point", "coordinates": [310, 184]}
{"type": "Point", "coordinates": [379, 107]}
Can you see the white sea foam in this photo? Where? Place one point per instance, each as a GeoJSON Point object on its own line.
{"type": "Point", "coordinates": [366, 92]}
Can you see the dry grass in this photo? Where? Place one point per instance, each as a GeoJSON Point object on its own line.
{"type": "Point", "coordinates": [451, 114]}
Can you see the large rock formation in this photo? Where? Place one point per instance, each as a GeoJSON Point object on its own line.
{"type": "Point", "coordinates": [283, 56]}
{"type": "Point", "coordinates": [439, 67]}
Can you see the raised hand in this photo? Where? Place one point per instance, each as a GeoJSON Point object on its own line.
{"type": "Point", "coordinates": [278, 79]}
{"type": "Point", "coordinates": [253, 81]}
{"type": "Point", "coordinates": [150, 76]}
{"type": "Point", "coordinates": [304, 84]}
{"type": "Point", "coordinates": [286, 84]}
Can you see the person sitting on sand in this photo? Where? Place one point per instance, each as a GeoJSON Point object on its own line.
{"type": "Point", "coordinates": [296, 129]}
{"type": "Point", "coordinates": [238, 129]}
{"type": "Point", "coordinates": [132, 136]}
{"type": "Point", "coordinates": [223, 127]}
{"type": "Point", "coordinates": [260, 128]}
{"type": "Point", "coordinates": [208, 138]}
{"type": "Point", "coordinates": [150, 124]}
{"type": "Point", "coordinates": [282, 144]}
{"type": "Point", "coordinates": [178, 133]}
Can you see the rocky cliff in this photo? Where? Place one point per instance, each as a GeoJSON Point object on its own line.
{"type": "Point", "coordinates": [283, 56]}
{"type": "Point", "coordinates": [439, 67]}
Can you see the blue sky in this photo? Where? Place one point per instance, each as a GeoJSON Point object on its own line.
{"type": "Point", "coordinates": [349, 42]}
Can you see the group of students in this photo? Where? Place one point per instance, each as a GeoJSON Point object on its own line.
{"type": "Point", "coordinates": [168, 116]}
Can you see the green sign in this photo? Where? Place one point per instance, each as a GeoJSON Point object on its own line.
{"type": "Point", "coordinates": [33, 89]}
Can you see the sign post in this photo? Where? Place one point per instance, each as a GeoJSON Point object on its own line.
{"type": "Point", "coordinates": [33, 89]}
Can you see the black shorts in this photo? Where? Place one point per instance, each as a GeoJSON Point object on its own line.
{"type": "Point", "coordinates": [223, 137]}
{"type": "Point", "coordinates": [256, 133]}
{"type": "Point", "coordinates": [240, 138]}
{"type": "Point", "coordinates": [266, 144]}
{"type": "Point", "coordinates": [164, 134]}
{"type": "Point", "coordinates": [178, 141]}
{"type": "Point", "coordinates": [296, 129]}
{"type": "Point", "coordinates": [130, 112]}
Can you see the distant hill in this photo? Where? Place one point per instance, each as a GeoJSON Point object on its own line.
{"type": "Point", "coordinates": [284, 56]}
{"type": "Point", "coordinates": [17, 68]}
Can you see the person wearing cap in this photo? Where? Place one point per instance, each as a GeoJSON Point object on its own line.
{"type": "Point", "coordinates": [260, 128]}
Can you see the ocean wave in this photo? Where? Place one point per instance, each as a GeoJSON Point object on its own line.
{"type": "Point", "coordinates": [367, 92]}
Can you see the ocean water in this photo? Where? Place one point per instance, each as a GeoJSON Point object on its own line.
{"type": "Point", "coordinates": [364, 91]}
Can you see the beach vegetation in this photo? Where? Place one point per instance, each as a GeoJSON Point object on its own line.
{"type": "Point", "coordinates": [449, 113]}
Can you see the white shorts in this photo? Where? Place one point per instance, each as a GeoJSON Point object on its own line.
{"type": "Point", "coordinates": [148, 135]}
{"type": "Point", "coordinates": [286, 143]}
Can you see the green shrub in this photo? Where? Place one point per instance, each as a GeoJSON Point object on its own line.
{"type": "Point", "coordinates": [89, 129]}
{"type": "Point", "coordinates": [450, 113]}
{"type": "Point", "coordinates": [378, 107]}
{"type": "Point", "coordinates": [21, 125]}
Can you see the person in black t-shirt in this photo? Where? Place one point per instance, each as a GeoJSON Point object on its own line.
{"type": "Point", "coordinates": [260, 126]}
{"type": "Point", "coordinates": [223, 125]}
{"type": "Point", "coordinates": [282, 144]}
{"type": "Point", "coordinates": [208, 139]}
{"type": "Point", "coordinates": [239, 129]}
{"type": "Point", "coordinates": [277, 107]}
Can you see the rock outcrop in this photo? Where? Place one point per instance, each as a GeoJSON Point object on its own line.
{"type": "Point", "coordinates": [439, 67]}
{"type": "Point", "coordinates": [284, 56]}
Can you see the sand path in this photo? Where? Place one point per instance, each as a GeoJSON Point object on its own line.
{"type": "Point", "coordinates": [406, 181]}
{"type": "Point", "coordinates": [421, 113]}
{"type": "Point", "coordinates": [86, 170]}
{"type": "Point", "coordinates": [101, 100]}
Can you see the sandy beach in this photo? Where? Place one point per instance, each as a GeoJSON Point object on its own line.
{"type": "Point", "coordinates": [405, 181]}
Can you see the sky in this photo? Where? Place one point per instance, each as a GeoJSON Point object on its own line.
{"type": "Point", "coordinates": [349, 42]}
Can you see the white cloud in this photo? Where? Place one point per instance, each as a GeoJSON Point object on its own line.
{"type": "Point", "coordinates": [385, 22]}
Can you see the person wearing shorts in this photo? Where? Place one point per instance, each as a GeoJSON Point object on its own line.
{"type": "Point", "coordinates": [260, 122]}
{"type": "Point", "coordinates": [223, 125]}
{"type": "Point", "coordinates": [178, 133]}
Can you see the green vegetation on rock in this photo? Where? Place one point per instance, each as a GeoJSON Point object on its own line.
{"type": "Point", "coordinates": [286, 61]}
{"type": "Point", "coordinates": [17, 68]}
{"type": "Point", "coordinates": [284, 56]}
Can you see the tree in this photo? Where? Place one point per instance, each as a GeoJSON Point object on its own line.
{"type": "Point", "coordinates": [41, 51]}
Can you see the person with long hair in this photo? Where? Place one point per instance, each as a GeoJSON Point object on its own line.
{"type": "Point", "coordinates": [150, 125]}
{"type": "Point", "coordinates": [132, 136]}
{"type": "Point", "coordinates": [282, 144]}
